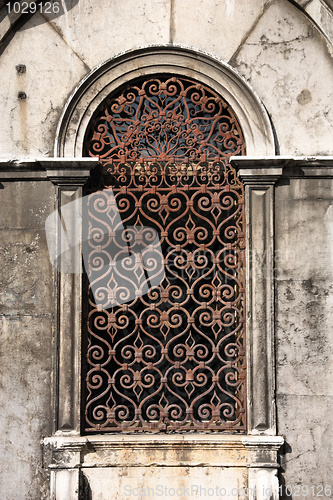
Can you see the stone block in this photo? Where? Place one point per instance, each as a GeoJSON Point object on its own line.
{"type": "Point", "coordinates": [103, 31]}
{"type": "Point", "coordinates": [280, 58]}
{"type": "Point", "coordinates": [26, 284]}
{"type": "Point", "coordinates": [26, 205]}
{"type": "Point", "coordinates": [52, 71]}
{"type": "Point", "coordinates": [304, 239]}
{"type": "Point", "coordinates": [154, 482]}
{"type": "Point", "coordinates": [294, 189]}
{"type": "Point", "coordinates": [306, 461]}
{"type": "Point", "coordinates": [304, 317]}
{"type": "Point", "coordinates": [25, 405]}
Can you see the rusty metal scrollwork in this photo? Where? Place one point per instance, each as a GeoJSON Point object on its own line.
{"type": "Point", "coordinates": [164, 118]}
{"type": "Point", "coordinates": [172, 358]}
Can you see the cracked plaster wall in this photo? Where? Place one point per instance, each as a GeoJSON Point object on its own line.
{"type": "Point", "coordinates": [304, 340]}
{"type": "Point", "coordinates": [271, 43]}
{"type": "Point", "coordinates": [26, 326]}
{"type": "Point", "coordinates": [288, 62]}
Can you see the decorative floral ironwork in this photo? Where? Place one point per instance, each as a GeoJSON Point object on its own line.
{"type": "Point", "coordinates": [164, 118]}
{"type": "Point", "coordinates": [175, 357]}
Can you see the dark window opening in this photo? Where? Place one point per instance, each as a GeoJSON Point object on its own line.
{"type": "Point", "coordinates": [165, 341]}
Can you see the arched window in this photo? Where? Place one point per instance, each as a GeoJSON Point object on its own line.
{"type": "Point", "coordinates": [165, 343]}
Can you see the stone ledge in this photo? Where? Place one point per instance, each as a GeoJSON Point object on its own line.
{"type": "Point", "coordinates": [45, 168]}
{"type": "Point", "coordinates": [162, 451]}
{"type": "Point", "coordinates": [284, 166]}
{"type": "Point", "coordinates": [63, 440]}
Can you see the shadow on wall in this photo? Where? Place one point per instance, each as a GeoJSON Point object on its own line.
{"type": "Point", "coordinates": [49, 10]}
{"type": "Point", "coordinates": [85, 490]}
{"type": "Point", "coordinates": [283, 493]}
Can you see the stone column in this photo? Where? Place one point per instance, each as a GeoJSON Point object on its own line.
{"type": "Point", "coordinates": [259, 179]}
{"type": "Point", "coordinates": [69, 177]}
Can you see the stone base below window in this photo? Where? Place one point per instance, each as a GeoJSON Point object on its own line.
{"type": "Point", "coordinates": [178, 466]}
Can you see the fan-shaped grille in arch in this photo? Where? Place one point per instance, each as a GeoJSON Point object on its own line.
{"type": "Point", "coordinates": [164, 118]}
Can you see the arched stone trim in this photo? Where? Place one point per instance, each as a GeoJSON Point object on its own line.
{"type": "Point", "coordinates": [242, 461]}
{"type": "Point", "coordinates": [110, 75]}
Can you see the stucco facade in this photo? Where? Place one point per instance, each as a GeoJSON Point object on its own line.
{"type": "Point", "coordinates": [272, 61]}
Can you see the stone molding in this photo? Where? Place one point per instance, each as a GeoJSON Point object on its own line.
{"type": "Point", "coordinates": [69, 179]}
{"type": "Point", "coordinates": [201, 450]}
{"type": "Point", "coordinates": [110, 75]}
{"type": "Point", "coordinates": [260, 167]}
{"type": "Point", "coordinates": [259, 178]}
{"type": "Point", "coordinates": [292, 167]}
{"type": "Point", "coordinates": [254, 458]}
{"type": "Point", "coordinates": [69, 169]}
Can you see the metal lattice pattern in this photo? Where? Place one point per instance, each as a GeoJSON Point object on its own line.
{"type": "Point", "coordinates": [164, 118]}
{"type": "Point", "coordinates": [173, 358]}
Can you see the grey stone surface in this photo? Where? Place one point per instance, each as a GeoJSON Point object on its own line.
{"type": "Point", "coordinates": [304, 230]}
{"type": "Point", "coordinates": [304, 334]}
{"type": "Point", "coordinates": [53, 69]}
{"type": "Point", "coordinates": [215, 26]}
{"type": "Point", "coordinates": [25, 405]}
{"type": "Point", "coordinates": [26, 278]}
{"type": "Point", "coordinates": [306, 422]}
{"type": "Point", "coordinates": [286, 56]}
{"type": "Point", "coordinates": [304, 340]}
{"type": "Point", "coordinates": [26, 275]}
{"type": "Point", "coordinates": [26, 330]}
{"type": "Point", "coordinates": [21, 208]}
{"type": "Point", "coordinates": [301, 252]}
{"type": "Point", "coordinates": [280, 59]}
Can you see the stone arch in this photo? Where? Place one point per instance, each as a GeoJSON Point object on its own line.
{"type": "Point", "coordinates": [114, 73]}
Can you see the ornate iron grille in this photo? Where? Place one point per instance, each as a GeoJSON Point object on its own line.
{"type": "Point", "coordinates": [164, 118]}
{"type": "Point", "coordinates": [174, 357]}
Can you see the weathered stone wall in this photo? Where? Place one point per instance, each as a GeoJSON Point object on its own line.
{"type": "Point", "coordinates": [304, 340]}
{"type": "Point", "coordinates": [271, 43]}
{"type": "Point", "coordinates": [26, 336]}
{"type": "Point", "coordinates": [287, 59]}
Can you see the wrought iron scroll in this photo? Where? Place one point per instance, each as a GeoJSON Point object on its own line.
{"type": "Point", "coordinates": [164, 118]}
{"type": "Point", "coordinates": [174, 358]}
